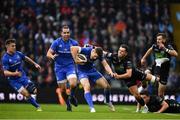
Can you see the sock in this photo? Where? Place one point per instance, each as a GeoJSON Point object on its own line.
{"type": "Point", "coordinates": [33, 102]}
{"type": "Point", "coordinates": [66, 98]}
{"type": "Point", "coordinates": [88, 98]}
{"type": "Point", "coordinates": [107, 95]}
{"type": "Point", "coordinates": [141, 101]}
{"type": "Point", "coordinates": [73, 90]}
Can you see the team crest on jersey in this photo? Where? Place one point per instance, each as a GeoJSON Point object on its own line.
{"type": "Point", "coordinates": [10, 60]}
{"type": "Point", "coordinates": [60, 45]}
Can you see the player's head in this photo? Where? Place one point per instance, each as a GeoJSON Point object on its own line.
{"type": "Point", "coordinates": [96, 52]}
{"type": "Point", "coordinates": [161, 38]}
{"type": "Point", "coordinates": [145, 96]}
{"type": "Point", "coordinates": [65, 32]}
{"type": "Point", "coordinates": [10, 45]}
{"type": "Point", "coordinates": [123, 51]}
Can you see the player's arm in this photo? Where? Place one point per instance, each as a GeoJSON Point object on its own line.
{"type": "Point", "coordinates": [169, 50]}
{"type": "Point", "coordinates": [29, 60]}
{"type": "Point", "coordinates": [75, 50]}
{"type": "Point", "coordinates": [163, 108]}
{"type": "Point", "coordinates": [50, 54]}
{"type": "Point", "coordinates": [148, 52]}
{"type": "Point", "coordinates": [107, 68]}
{"type": "Point", "coordinates": [125, 75]}
{"type": "Point", "coordinates": [8, 73]}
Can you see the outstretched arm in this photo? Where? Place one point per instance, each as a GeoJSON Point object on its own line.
{"type": "Point", "coordinates": [29, 60]}
{"type": "Point", "coordinates": [149, 51]}
{"type": "Point", "coordinates": [107, 68]}
{"type": "Point", "coordinates": [163, 108]}
{"type": "Point", "coordinates": [125, 75]}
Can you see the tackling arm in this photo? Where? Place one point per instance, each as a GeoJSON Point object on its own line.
{"type": "Point", "coordinates": [149, 51]}
{"type": "Point", "coordinates": [125, 75]}
{"type": "Point", "coordinates": [163, 108]}
{"type": "Point", "coordinates": [107, 68]}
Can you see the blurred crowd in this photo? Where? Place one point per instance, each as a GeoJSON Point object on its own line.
{"type": "Point", "coordinates": [106, 23]}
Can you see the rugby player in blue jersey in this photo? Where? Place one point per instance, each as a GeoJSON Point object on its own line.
{"type": "Point", "coordinates": [87, 72]}
{"type": "Point", "coordinates": [12, 68]}
{"type": "Point", "coordinates": [64, 65]}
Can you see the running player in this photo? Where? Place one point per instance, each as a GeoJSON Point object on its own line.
{"type": "Point", "coordinates": [162, 54]}
{"type": "Point", "coordinates": [12, 67]}
{"type": "Point", "coordinates": [87, 72]}
{"type": "Point", "coordinates": [64, 65]}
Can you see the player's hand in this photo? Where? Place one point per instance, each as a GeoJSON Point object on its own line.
{"type": "Point", "coordinates": [116, 76]}
{"type": "Point", "coordinates": [143, 61]}
{"type": "Point", "coordinates": [54, 56]}
{"type": "Point", "coordinates": [111, 74]}
{"type": "Point", "coordinates": [38, 66]}
{"type": "Point", "coordinates": [161, 46]}
{"type": "Point", "coordinates": [17, 73]}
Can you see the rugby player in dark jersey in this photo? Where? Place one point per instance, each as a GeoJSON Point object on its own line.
{"type": "Point", "coordinates": [159, 105]}
{"type": "Point", "coordinates": [162, 52]}
{"type": "Point", "coordinates": [126, 71]}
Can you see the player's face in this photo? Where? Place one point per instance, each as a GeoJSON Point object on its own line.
{"type": "Point", "coordinates": [160, 40]}
{"type": "Point", "coordinates": [11, 47]}
{"type": "Point", "coordinates": [94, 55]}
{"type": "Point", "coordinates": [122, 52]}
{"type": "Point", "coordinates": [65, 34]}
{"type": "Point", "coordinates": [145, 98]}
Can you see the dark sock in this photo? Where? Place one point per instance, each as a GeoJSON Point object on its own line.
{"type": "Point", "coordinates": [107, 95]}
{"type": "Point", "coordinates": [73, 90]}
{"type": "Point", "coordinates": [66, 98]}
{"type": "Point", "coordinates": [141, 101]}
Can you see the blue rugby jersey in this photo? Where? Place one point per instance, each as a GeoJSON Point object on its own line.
{"type": "Point", "coordinates": [13, 63]}
{"type": "Point", "coordinates": [62, 48]}
{"type": "Point", "coordinates": [90, 63]}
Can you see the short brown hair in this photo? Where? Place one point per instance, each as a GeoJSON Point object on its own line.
{"type": "Point", "coordinates": [9, 41]}
{"type": "Point", "coordinates": [164, 36]}
{"type": "Point", "coordinates": [99, 51]}
{"type": "Point", "coordinates": [64, 27]}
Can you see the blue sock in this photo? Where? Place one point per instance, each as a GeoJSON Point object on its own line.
{"type": "Point", "coordinates": [107, 95]}
{"type": "Point", "coordinates": [33, 102]}
{"type": "Point", "coordinates": [88, 98]}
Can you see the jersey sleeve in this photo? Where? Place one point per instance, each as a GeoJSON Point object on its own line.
{"type": "Point", "coordinates": [129, 64]}
{"type": "Point", "coordinates": [5, 64]}
{"type": "Point", "coordinates": [170, 47]}
{"type": "Point", "coordinates": [53, 46]}
{"type": "Point", "coordinates": [85, 50]}
{"type": "Point", "coordinates": [21, 55]}
{"type": "Point", "coordinates": [159, 100]}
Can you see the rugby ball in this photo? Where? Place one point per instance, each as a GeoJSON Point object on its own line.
{"type": "Point", "coordinates": [82, 57]}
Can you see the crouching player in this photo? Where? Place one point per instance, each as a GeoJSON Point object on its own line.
{"type": "Point", "coordinates": [159, 105]}
{"type": "Point", "coordinates": [12, 68]}
{"type": "Point", "coordinates": [87, 72]}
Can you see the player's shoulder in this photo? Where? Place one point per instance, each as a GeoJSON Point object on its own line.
{"type": "Point", "coordinates": [73, 40]}
{"type": "Point", "coordinates": [5, 56]}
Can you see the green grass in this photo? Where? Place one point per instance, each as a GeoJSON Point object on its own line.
{"type": "Point", "coordinates": [54, 111]}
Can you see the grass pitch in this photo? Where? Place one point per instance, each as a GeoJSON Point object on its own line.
{"type": "Point", "coordinates": [55, 111]}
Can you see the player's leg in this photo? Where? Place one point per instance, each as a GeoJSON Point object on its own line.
{"type": "Point", "coordinates": [61, 81]}
{"type": "Point", "coordinates": [20, 87]}
{"type": "Point", "coordinates": [102, 82]}
{"type": "Point", "coordinates": [164, 74]}
{"type": "Point", "coordinates": [30, 88]}
{"type": "Point", "coordinates": [87, 93]}
{"type": "Point", "coordinates": [161, 90]}
{"type": "Point", "coordinates": [134, 91]}
{"type": "Point", "coordinates": [72, 80]}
